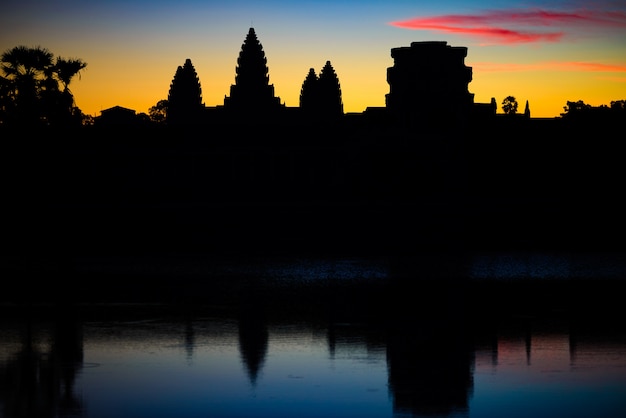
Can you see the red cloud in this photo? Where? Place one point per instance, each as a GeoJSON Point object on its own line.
{"type": "Point", "coordinates": [503, 26]}
{"type": "Point", "coordinates": [491, 33]}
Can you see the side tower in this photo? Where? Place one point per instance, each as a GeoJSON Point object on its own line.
{"type": "Point", "coordinates": [330, 91]}
{"type": "Point", "coordinates": [428, 83]}
{"type": "Point", "coordinates": [185, 96]}
{"type": "Point", "coordinates": [252, 93]}
{"type": "Point", "coordinates": [321, 96]}
{"type": "Point", "coordinates": [309, 100]}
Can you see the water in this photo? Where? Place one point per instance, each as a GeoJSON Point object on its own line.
{"type": "Point", "coordinates": [331, 338]}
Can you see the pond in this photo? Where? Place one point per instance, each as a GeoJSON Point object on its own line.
{"type": "Point", "coordinates": [331, 338]}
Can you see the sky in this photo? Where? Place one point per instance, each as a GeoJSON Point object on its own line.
{"type": "Point", "coordinates": [543, 52]}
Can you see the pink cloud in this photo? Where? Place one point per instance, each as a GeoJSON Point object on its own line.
{"type": "Point", "coordinates": [515, 26]}
{"type": "Point", "coordinates": [597, 67]}
{"type": "Point", "coordinates": [551, 65]}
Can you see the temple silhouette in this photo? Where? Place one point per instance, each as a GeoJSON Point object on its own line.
{"type": "Point", "coordinates": [430, 169]}
{"type": "Point", "coordinates": [428, 86]}
{"type": "Point", "coordinates": [428, 91]}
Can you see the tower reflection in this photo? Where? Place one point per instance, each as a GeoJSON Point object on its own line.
{"type": "Point", "coordinates": [253, 338]}
{"type": "Point", "coordinates": [430, 357]}
{"type": "Point", "coordinates": [189, 340]}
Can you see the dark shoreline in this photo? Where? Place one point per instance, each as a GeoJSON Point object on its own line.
{"type": "Point", "coordinates": [345, 191]}
{"type": "Point", "coordinates": [368, 288]}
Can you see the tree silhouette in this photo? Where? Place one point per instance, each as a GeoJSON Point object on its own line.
{"type": "Point", "coordinates": [158, 112]}
{"type": "Point", "coordinates": [5, 98]}
{"type": "Point", "coordinates": [618, 110]}
{"type": "Point", "coordinates": [572, 109]}
{"type": "Point", "coordinates": [509, 105]}
{"type": "Point", "coordinates": [30, 91]}
{"type": "Point", "coordinates": [618, 105]}
{"type": "Point", "coordinates": [581, 111]}
{"type": "Point", "coordinates": [61, 103]}
{"type": "Point", "coordinates": [185, 96]}
{"type": "Point", "coordinates": [66, 70]}
{"type": "Point", "coordinates": [25, 69]}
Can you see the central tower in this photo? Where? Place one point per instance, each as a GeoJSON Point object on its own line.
{"type": "Point", "coordinates": [252, 93]}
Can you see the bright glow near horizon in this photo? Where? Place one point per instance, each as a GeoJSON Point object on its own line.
{"type": "Point", "coordinates": [545, 52]}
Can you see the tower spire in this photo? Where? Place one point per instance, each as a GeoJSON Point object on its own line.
{"type": "Point", "coordinates": [252, 91]}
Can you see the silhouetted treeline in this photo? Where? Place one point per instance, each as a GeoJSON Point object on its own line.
{"type": "Point", "coordinates": [584, 113]}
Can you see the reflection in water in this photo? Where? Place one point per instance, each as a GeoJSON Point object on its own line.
{"type": "Point", "coordinates": [429, 375]}
{"type": "Point", "coordinates": [432, 364]}
{"type": "Point", "coordinates": [391, 348]}
{"type": "Point", "coordinates": [253, 339]}
{"type": "Point", "coordinates": [37, 383]}
{"type": "Point", "coordinates": [545, 380]}
{"type": "Point", "coordinates": [189, 340]}
{"type": "Point", "coordinates": [67, 357]}
{"type": "Point", "coordinates": [429, 353]}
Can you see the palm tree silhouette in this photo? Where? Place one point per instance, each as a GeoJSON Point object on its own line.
{"type": "Point", "coordinates": [26, 70]}
{"type": "Point", "coordinates": [67, 69]}
{"type": "Point", "coordinates": [31, 81]}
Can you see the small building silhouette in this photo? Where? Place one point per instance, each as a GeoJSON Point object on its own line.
{"type": "Point", "coordinates": [484, 111]}
{"type": "Point", "coordinates": [116, 115]}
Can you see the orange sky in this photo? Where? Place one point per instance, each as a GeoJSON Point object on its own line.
{"type": "Point", "coordinates": [548, 54]}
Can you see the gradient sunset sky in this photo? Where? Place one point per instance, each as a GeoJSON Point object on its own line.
{"type": "Point", "coordinates": [546, 52]}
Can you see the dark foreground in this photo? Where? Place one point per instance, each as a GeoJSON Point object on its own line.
{"type": "Point", "coordinates": [328, 190]}
{"type": "Point", "coordinates": [359, 271]}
